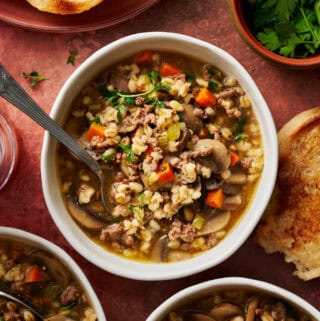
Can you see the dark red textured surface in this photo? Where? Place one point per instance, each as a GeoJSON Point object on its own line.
{"type": "Point", "coordinates": [21, 202]}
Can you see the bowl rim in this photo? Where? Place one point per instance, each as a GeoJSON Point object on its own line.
{"type": "Point", "coordinates": [159, 271]}
{"type": "Point", "coordinates": [48, 246]}
{"type": "Point", "coordinates": [254, 44]}
{"type": "Point", "coordinates": [230, 282]}
{"type": "Point", "coordinates": [10, 146]}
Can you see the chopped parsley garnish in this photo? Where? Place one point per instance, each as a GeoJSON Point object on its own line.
{"type": "Point", "coordinates": [210, 71]}
{"type": "Point", "coordinates": [34, 78]}
{"type": "Point", "coordinates": [213, 85]}
{"type": "Point", "coordinates": [288, 27]}
{"type": "Point", "coordinates": [107, 158]}
{"type": "Point", "coordinates": [72, 56]}
{"type": "Point", "coordinates": [238, 129]}
{"type": "Point", "coordinates": [130, 156]}
{"type": "Point", "coordinates": [118, 97]}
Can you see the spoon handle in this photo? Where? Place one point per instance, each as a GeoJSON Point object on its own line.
{"type": "Point", "coordinates": [17, 96]}
{"type": "Point", "coordinates": [16, 298]}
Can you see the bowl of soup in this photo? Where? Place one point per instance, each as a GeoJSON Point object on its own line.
{"type": "Point", "coordinates": [46, 276]}
{"type": "Point", "coordinates": [234, 299]}
{"type": "Point", "coordinates": [192, 149]}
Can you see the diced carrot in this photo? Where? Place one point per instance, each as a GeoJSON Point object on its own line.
{"type": "Point", "coordinates": [167, 69]}
{"type": "Point", "coordinates": [215, 198]}
{"type": "Point", "coordinates": [165, 173]}
{"type": "Point", "coordinates": [95, 130]}
{"type": "Point", "coordinates": [203, 132]}
{"type": "Point", "coordinates": [143, 58]}
{"type": "Point", "coordinates": [234, 158]}
{"type": "Point", "coordinates": [33, 274]}
{"type": "Point", "coordinates": [205, 98]}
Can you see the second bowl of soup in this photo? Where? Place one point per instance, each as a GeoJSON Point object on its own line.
{"type": "Point", "coordinates": [191, 144]}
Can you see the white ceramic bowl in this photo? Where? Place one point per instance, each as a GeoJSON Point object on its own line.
{"type": "Point", "coordinates": [203, 289]}
{"type": "Point", "coordinates": [41, 243]}
{"type": "Point", "coordinates": [99, 61]}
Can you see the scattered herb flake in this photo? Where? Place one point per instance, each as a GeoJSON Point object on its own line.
{"type": "Point", "coordinates": [34, 78]}
{"type": "Point", "coordinates": [131, 157]}
{"type": "Point", "coordinates": [72, 56]}
{"type": "Point", "coordinates": [238, 129]}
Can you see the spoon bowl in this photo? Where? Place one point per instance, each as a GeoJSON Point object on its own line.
{"type": "Point", "coordinates": [11, 91]}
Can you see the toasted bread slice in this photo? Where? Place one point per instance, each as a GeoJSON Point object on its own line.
{"type": "Point", "coordinates": [291, 224]}
{"type": "Point", "coordinates": [64, 6]}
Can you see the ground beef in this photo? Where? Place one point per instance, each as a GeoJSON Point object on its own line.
{"type": "Point", "coordinates": [69, 295]}
{"type": "Point", "coordinates": [119, 237]}
{"type": "Point", "coordinates": [185, 232]}
{"type": "Point", "coordinates": [112, 232]}
{"type": "Point", "coordinates": [227, 93]}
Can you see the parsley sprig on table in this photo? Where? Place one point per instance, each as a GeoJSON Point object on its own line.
{"type": "Point", "coordinates": [288, 27]}
{"type": "Point", "coordinates": [34, 78]}
{"type": "Point", "coordinates": [72, 56]}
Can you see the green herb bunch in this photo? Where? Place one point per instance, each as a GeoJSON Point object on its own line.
{"type": "Point", "coordinates": [288, 27]}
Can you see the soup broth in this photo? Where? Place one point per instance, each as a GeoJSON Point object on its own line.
{"type": "Point", "coordinates": [43, 280]}
{"type": "Point", "coordinates": [237, 305]}
{"type": "Point", "coordinates": [186, 150]}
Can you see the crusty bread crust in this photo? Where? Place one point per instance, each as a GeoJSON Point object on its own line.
{"type": "Point", "coordinates": [291, 224]}
{"type": "Point", "coordinates": [64, 6]}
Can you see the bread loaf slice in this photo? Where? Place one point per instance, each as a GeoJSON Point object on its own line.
{"type": "Point", "coordinates": [64, 6]}
{"type": "Point", "coordinates": [291, 224]}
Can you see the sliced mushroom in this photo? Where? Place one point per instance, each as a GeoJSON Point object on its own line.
{"type": "Point", "coordinates": [252, 305]}
{"type": "Point", "coordinates": [225, 311]}
{"type": "Point", "coordinates": [160, 250]}
{"type": "Point", "coordinates": [192, 121]}
{"type": "Point", "coordinates": [237, 178]}
{"type": "Point", "coordinates": [232, 202]}
{"type": "Point", "coordinates": [84, 218]}
{"type": "Point", "coordinates": [184, 139]}
{"type": "Point", "coordinates": [215, 223]}
{"type": "Point", "coordinates": [231, 189]}
{"type": "Point", "coordinates": [55, 268]}
{"type": "Point", "coordinates": [200, 317]}
{"type": "Point", "coordinates": [176, 256]}
{"type": "Point", "coordinates": [212, 154]}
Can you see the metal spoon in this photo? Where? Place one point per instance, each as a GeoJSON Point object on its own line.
{"type": "Point", "coordinates": [22, 301]}
{"type": "Point", "coordinates": [16, 95]}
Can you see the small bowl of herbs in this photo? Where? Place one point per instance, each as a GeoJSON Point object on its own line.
{"type": "Point", "coordinates": [286, 32]}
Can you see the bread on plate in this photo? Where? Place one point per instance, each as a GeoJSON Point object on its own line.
{"type": "Point", "coordinates": [291, 224]}
{"type": "Point", "coordinates": [64, 6]}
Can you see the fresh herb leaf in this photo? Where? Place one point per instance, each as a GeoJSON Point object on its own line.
{"type": "Point", "coordinates": [285, 8]}
{"type": "Point", "coordinates": [130, 100]}
{"type": "Point", "coordinates": [107, 158]}
{"type": "Point", "coordinates": [213, 85]}
{"type": "Point", "coordinates": [34, 78]}
{"type": "Point", "coordinates": [130, 156]}
{"type": "Point", "coordinates": [118, 115]}
{"type": "Point", "coordinates": [210, 71]}
{"type": "Point", "coordinates": [238, 129]}
{"type": "Point", "coordinates": [290, 48]}
{"type": "Point", "coordinates": [269, 38]}
{"type": "Point", "coordinates": [72, 56]}
{"type": "Point", "coordinates": [287, 27]}
{"type": "Point", "coordinates": [69, 306]}
{"type": "Point", "coordinates": [95, 120]}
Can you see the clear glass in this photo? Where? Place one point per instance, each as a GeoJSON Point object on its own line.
{"type": "Point", "coordinates": [8, 151]}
